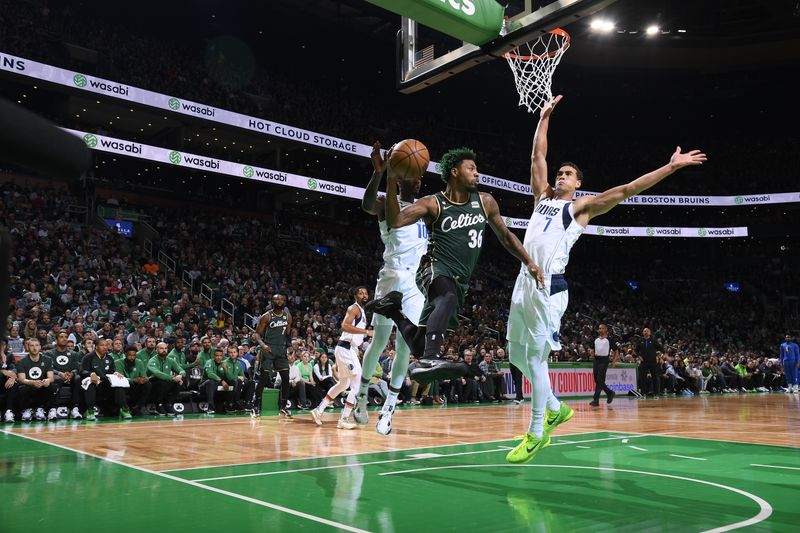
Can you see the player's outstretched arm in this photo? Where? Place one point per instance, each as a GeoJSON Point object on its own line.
{"type": "Point", "coordinates": [509, 241]}
{"type": "Point", "coordinates": [539, 183]}
{"type": "Point", "coordinates": [371, 203]}
{"type": "Point", "coordinates": [588, 207]}
{"type": "Point", "coordinates": [426, 207]}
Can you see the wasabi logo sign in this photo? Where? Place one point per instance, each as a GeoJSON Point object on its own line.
{"type": "Point", "coordinates": [79, 80]}
{"type": "Point", "coordinates": [247, 172]}
{"type": "Point", "coordinates": [508, 221]}
{"type": "Point", "coordinates": [175, 157]}
{"type": "Point", "coordinates": [174, 104]}
{"type": "Point", "coordinates": [90, 140]}
{"type": "Point", "coordinates": [702, 232]}
{"type": "Point", "coordinates": [601, 230]}
{"type": "Point", "coordinates": [738, 200]}
{"type": "Point", "coordinates": [312, 184]}
{"type": "Point", "coordinates": [650, 231]}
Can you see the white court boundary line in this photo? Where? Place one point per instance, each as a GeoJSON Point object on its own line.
{"type": "Point", "coordinates": [687, 457]}
{"type": "Point", "coordinates": [396, 450]}
{"type": "Point", "coordinates": [764, 512]}
{"type": "Point", "coordinates": [672, 435]}
{"type": "Point", "coordinates": [386, 461]}
{"type": "Point", "coordinates": [776, 466]}
{"type": "Point", "coordinates": [248, 499]}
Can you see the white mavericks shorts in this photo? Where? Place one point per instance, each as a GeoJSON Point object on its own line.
{"type": "Point", "coordinates": [347, 362]}
{"type": "Point", "coordinates": [404, 281]}
{"type": "Point", "coordinates": [535, 313]}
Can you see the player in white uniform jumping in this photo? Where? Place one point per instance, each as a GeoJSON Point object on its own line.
{"type": "Point", "coordinates": [346, 352]}
{"type": "Point", "coordinates": [535, 317]}
{"type": "Point", "coordinates": [402, 250]}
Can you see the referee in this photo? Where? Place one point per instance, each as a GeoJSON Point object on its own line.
{"type": "Point", "coordinates": [603, 348]}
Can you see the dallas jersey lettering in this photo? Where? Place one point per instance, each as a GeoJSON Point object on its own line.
{"type": "Point", "coordinates": [403, 247]}
{"type": "Point", "coordinates": [356, 339]}
{"type": "Point", "coordinates": [535, 315]}
{"type": "Point", "coordinates": [275, 334]}
{"type": "Point", "coordinates": [457, 236]}
{"type": "Point", "coordinates": [552, 231]}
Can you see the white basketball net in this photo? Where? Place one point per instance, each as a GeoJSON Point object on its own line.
{"type": "Point", "coordinates": [533, 65]}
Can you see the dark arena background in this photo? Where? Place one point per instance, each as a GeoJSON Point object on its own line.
{"type": "Point", "coordinates": [214, 204]}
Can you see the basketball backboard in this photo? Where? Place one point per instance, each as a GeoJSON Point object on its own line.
{"type": "Point", "coordinates": [426, 56]}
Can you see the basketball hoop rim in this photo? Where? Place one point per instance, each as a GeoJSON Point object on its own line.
{"type": "Point", "coordinates": [556, 31]}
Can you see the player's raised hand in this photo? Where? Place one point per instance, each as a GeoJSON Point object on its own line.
{"type": "Point", "coordinates": [680, 160]}
{"type": "Point", "coordinates": [378, 160]}
{"type": "Point", "coordinates": [547, 110]}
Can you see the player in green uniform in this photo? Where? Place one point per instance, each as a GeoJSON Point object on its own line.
{"type": "Point", "coordinates": [272, 336]}
{"type": "Point", "coordinates": [456, 219]}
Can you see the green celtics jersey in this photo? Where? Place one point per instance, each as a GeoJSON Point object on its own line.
{"type": "Point", "coordinates": [456, 237]}
{"type": "Point", "coordinates": [275, 334]}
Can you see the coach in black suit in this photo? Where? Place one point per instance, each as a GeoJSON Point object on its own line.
{"type": "Point", "coordinates": [646, 351]}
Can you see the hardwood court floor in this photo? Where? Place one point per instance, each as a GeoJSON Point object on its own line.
{"type": "Point", "coordinates": [440, 469]}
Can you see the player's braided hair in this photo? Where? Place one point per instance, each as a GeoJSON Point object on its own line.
{"type": "Point", "coordinates": [451, 159]}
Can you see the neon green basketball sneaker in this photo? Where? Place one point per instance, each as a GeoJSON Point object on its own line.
{"type": "Point", "coordinates": [554, 418]}
{"type": "Point", "coordinates": [529, 447]}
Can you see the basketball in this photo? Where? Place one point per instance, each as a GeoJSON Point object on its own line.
{"type": "Point", "coordinates": [409, 158]}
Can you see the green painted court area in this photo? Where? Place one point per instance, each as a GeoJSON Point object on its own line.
{"type": "Point", "coordinates": [586, 482]}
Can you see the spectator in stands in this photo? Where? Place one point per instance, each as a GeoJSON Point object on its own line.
{"type": "Point", "coordinates": [323, 374]}
{"type": "Point", "coordinates": [166, 385]}
{"type": "Point", "coordinates": [297, 385]}
{"type": "Point", "coordinates": [467, 388]}
{"type": "Point", "coordinates": [138, 393]}
{"type": "Point", "coordinates": [494, 383]}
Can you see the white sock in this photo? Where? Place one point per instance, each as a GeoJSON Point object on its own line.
{"type": "Point", "coordinates": [323, 404]}
{"type": "Point", "coordinates": [389, 403]}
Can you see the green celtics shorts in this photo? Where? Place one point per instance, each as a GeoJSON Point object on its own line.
{"type": "Point", "coordinates": [274, 362]}
{"type": "Point", "coordinates": [426, 273]}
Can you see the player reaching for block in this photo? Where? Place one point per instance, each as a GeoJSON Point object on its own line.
{"type": "Point", "coordinates": [535, 317]}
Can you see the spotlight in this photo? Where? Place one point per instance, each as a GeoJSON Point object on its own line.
{"type": "Point", "coordinates": [653, 29]}
{"type": "Point", "coordinates": [602, 25]}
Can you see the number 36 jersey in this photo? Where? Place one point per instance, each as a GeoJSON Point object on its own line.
{"type": "Point", "coordinates": [456, 237]}
{"type": "Point", "coordinates": [552, 230]}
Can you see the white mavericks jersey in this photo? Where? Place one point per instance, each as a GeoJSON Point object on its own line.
{"type": "Point", "coordinates": [552, 230]}
{"type": "Point", "coordinates": [354, 339]}
{"type": "Point", "coordinates": [404, 247]}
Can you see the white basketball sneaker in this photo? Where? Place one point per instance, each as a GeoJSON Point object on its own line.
{"type": "Point", "coordinates": [52, 414]}
{"type": "Point", "coordinates": [26, 415]}
{"type": "Point", "coordinates": [76, 413]}
{"type": "Point", "coordinates": [317, 416]}
{"type": "Point", "coordinates": [384, 426]}
{"type": "Point", "coordinates": [39, 415]}
{"type": "Point", "coordinates": [9, 416]}
{"type": "Point", "coordinates": [345, 424]}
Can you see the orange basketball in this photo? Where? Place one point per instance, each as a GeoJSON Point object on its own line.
{"type": "Point", "coordinates": [409, 158]}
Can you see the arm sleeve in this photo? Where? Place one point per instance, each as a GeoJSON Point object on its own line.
{"type": "Point", "coordinates": [176, 367]}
